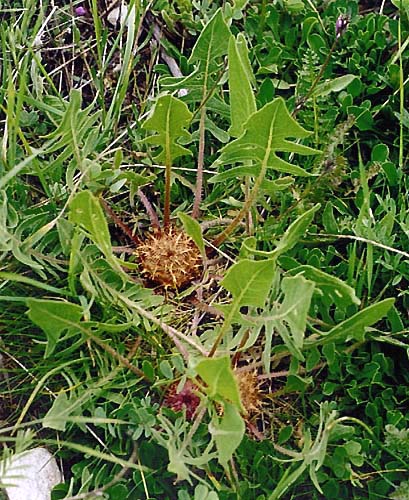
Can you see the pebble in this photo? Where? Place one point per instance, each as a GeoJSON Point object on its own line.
{"type": "Point", "coordinates": [118, 15]}
{"type": "Point", "coordinates": [30, 475]}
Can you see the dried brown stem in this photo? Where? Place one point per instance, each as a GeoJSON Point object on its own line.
{"type": "Point", "coordinates": [126, 229]}
{"type": "Point", "coordinates": [115, 354]}
{"type": "Point", "coordinates": [200, 163]}
{"type": "Point", "coordinates": [153, 216]}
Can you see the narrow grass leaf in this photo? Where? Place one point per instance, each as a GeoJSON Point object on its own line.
{"type": "Point", "coordinates": [32, 282]}
{"type": "Point", "coordinates": [354, 327]}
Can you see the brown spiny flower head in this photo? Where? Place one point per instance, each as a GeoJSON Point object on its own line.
{"type": "Point", "coordinates": [169, 258]}
{"type": "Point", "coordinates": [249, 389]}
{"type": "Point", "coordinates": [185, 398]}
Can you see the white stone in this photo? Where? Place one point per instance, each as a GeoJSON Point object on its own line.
{"type": "Point", "coordinates": [30, 475]}
{"type": "Point", "coordinates": [118, 15]}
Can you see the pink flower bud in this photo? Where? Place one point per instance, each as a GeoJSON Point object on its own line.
{"type": "Point", "coordinates": [80, 11]}
{"type": "Point", "coordinates": [341, 25]}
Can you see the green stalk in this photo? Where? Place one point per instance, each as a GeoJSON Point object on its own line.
{"type": "Point", "coordinates": [304, 99]}
{"type": "Point", "coordinates": [166, 211]}
{"type": "Point", "coordinates": [168, 173]}
{"type": "Point", "coordinates": [200, 158]}
{"type": "Point", "coordinates": [200, 162]}
{"type": "Point", "coordinates": [401, 91]}
{"type": "Point", "coordinates": [232, 226]}
{"type": "Point", "coordinates": [251, 199]}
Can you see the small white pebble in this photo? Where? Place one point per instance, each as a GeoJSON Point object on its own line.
{"type": "Point", "coordinates": [118, 15]}
{"type": "Point", "coordinates": [38, 40]}
{"type": "Point", "coordinates": [30, 475]}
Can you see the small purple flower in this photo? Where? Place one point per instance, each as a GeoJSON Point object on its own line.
{"type": "Point", "coordinates": [341, 25]}
{"type": "Point", "coordinates": [80, 11]}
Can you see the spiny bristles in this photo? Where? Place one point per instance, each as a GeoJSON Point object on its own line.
{"type": "Point", "coordinates": [250, 395]}
{"type": "Point", "coordinates": [169, 258]}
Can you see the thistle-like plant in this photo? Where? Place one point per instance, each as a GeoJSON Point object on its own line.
{"type": "Point", "coordinates": [169, 256]}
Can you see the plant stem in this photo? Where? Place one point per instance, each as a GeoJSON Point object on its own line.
{"type": "Point", "coordinates": [200, 156]}
{"type": "Point", "coordinates": [304, 99]}
{"type": "Point", "coordinates": [200, 162]}
{"type": "Point", "coordinates": [401, 90]}
{"type": "Point", "coordinates": [200, 413]}
{"type": "Point", "coordinates": [249, 221]}
{"type": "Point", "coordinates": [246, 207]}
{"type": "Point", "coordinates": [153, 216]}
{"type": "Point", "coordinates": [126, 229]}
{"type": "Point", "coordinates": [166, 211]}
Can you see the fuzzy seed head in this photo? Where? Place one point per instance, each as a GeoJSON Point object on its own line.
{"type": "Point", "coordinates": [169, 258]}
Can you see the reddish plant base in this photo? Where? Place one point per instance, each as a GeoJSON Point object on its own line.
{"type": "Point", "coordinates": [185, 399]}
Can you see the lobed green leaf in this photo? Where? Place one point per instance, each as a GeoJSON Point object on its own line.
{"type": "Point", "coordinates": [54, 318]}
{"type": "Point", "coordinates": [265, 134]}
{"type": "Point", "coordinates": [228, 432]}
{"type": "Point", "coordinates": [219, 377]}
{"type": "Point", "coordinates": [169, 119]}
